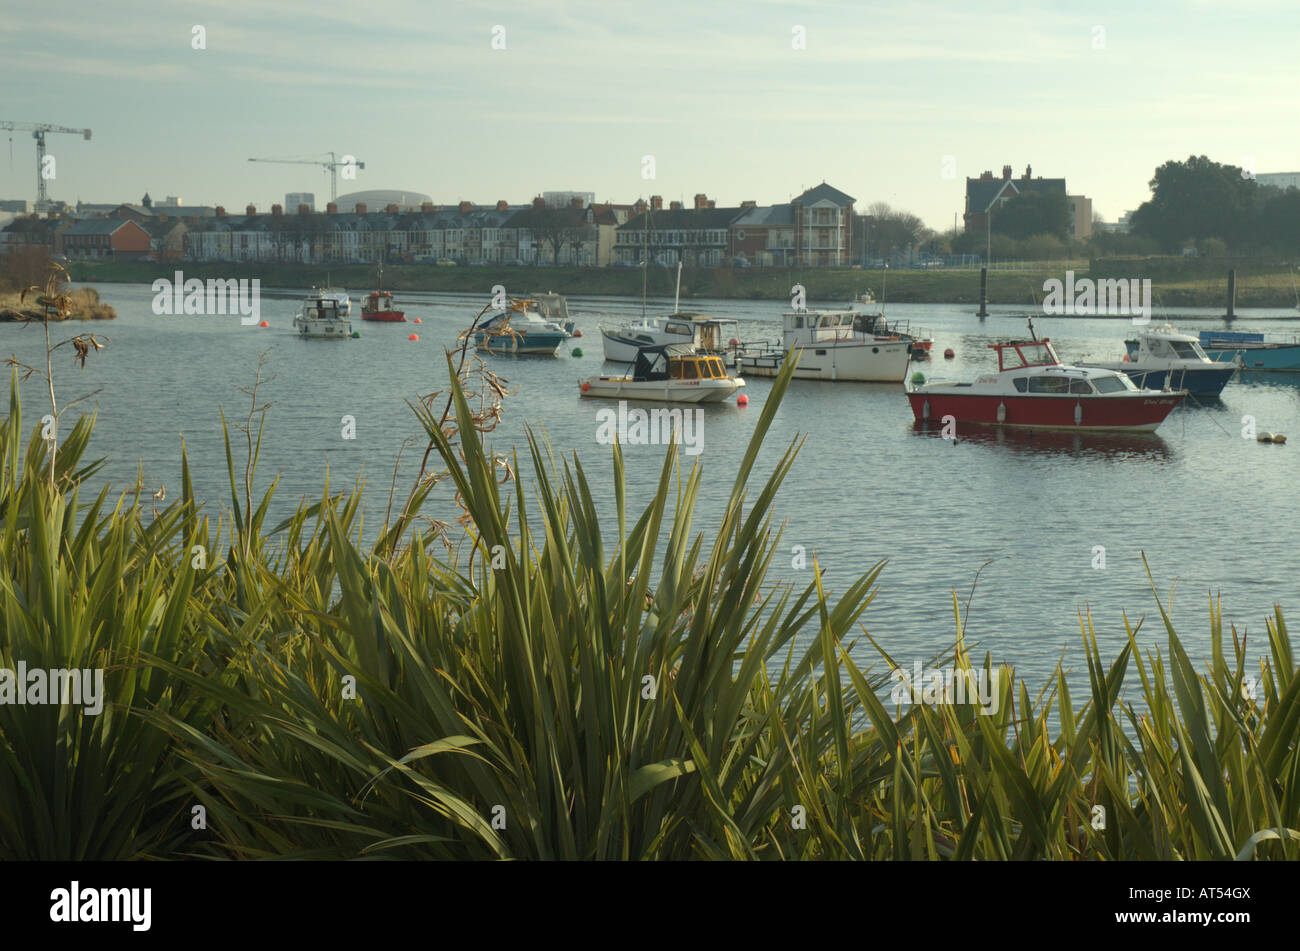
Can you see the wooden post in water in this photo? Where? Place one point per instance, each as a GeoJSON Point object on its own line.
{"type": "Point", "coordinates": [1232, 292]}
{"type": "Point", "coordinates": [984, 293]}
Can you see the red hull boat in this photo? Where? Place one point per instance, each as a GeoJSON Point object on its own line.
{"type": "Point", "coordinates": [379, 306]}
{"type": "Point", "coordinates": [1033, 389]}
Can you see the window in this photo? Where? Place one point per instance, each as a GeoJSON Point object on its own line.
{"type": "Point", "coordinates": [675, 370]}
{"type": "Point", "coordinates": [1049, 384]}
{"type": "Point", "coordinates": [692, 371]}
{"type": "Point", "coordinates": [1186, 350]}
{"type": "Point", "coordinates": [1022, 383]}
{"type": "Point", "coordinates": [1113, 384]}
{"type": "Point", "coordinates": [1081, 386]}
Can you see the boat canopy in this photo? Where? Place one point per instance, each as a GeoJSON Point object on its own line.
{"type": "Point", "coordinates": [1016, 354]}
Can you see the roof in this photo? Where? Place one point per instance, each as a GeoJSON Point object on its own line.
{"type": "Point", "coordinates": [981, 193]}
{"type": "Point", "coordinates": [683, 219]}
{"type": "Point", "coordinates": [99, 226]}
{"type": "Point", "coordinates": [766, 216]}
{"type": "Point", "coordinates": [824, 192]}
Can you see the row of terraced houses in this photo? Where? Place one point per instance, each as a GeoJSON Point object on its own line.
{"type": "Point", "coordinates": [814, 229]}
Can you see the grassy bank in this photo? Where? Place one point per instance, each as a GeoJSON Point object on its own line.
{"type": "Point", "coordinates": [1203, 284]}
{"type": "Point", "coordinates": [83, 304]}
{"type": "Point", "coordinates": [522, 690]}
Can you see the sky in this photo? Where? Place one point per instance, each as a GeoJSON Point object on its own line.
{"type": "Point", "coordinates": [756, 100]}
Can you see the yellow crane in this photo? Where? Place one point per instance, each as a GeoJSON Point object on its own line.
{"type": "Point", "coordinates": [38, 130]}
{"type": "Point", "coordinates": [332, 166]}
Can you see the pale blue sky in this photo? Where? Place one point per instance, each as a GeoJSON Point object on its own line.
{"type": "Point", "coordinates": [714, 91]}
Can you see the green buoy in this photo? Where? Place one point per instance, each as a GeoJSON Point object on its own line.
{"type": "Point", "coordinates": [577, 351]}
{"type": "Point", "coordinates": [918, 378]}
{"type": "Point", "coordinates": [356, 335]}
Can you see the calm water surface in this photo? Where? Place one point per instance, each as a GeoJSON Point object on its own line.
{"type": "Point", "coordinates": [1213, 511]}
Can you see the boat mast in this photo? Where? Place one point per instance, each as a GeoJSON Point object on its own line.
{"type": "Point", "coordinates": [677, 297]}
{"type": "Point", "coordinates": [645, 259]}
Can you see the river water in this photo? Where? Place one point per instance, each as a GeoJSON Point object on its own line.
{"type": "Point", "coordinates": [1212, 510]}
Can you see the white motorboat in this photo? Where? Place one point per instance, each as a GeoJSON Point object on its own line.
{"type": "Point", "coordinates": [519, 329]}
{"type": "Point", "coordinates": [671, 373]}
{"type": "Point", "coordinates": [834, 345]}
{"type": "Point", "coordinates": [714, 335]}
{"type": "Point", "coordinates": [1162, 357]}
{"type": "Point", "coordinates": [324, 315]}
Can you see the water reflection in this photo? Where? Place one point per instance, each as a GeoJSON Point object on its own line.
{"type": "Point", "coordinates": [1060, 442]}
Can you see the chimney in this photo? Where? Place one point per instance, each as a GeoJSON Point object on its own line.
{"type": "Point", "coordinates": [712, 202]}
{"type": "Point", "coordinates": [701, 201]}
{"type": "Point", "coordinates": [466, 207]}
{"type": "Point", "coordinates": [219, 212]}
{"type": "Point", "coordinates": [674, 206]}
{"type": "Point", "coordinates": [331, 209]}
{"type": "Point", "coordinates": [575, 202]}
{"type": "Point", "coordinates": [656, 202]}
{"type": "Point", "coordinates": [250, 210]}
{"type": "Point", "coordinates": [1029, 170]}
{"type": "Point", "coordinates": [361, 208]}
{"type": "Point", "coordinates": [503, 205]}
{"type": "Point", "coordinates": [640, 206]}
{"type": "Point", "coordinates": [749, 204]}
{"type": "Point", "coordinates": [303, 209]}
{"type": "Point", "coordinates": [987, 176]}
{"type": "Point", "coordinates": [277, 210]}
{"type": "Point", "coordinates": [539, 202]}
{"type": "Point", "coordinates": [1006, 173]}
{"type": "Point", "coordinates": [391, 209]}
{"type": "Point", "coordinates": [427, 207]}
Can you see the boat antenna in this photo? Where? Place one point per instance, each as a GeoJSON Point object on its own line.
{"type": "Point", "coordinates": [645, 258]}
{"type": "Point", "coordinates": [1032, 335]}
{"type": "Point", "coordinates": [677, 298]}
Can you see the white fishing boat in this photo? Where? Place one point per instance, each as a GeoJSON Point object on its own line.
{"type": "Point", "coordinates": [669, 373]}
{"type": "Point", "coordinates": [324, 315]}
{"type": "Point", "coordinates": [834, 345]}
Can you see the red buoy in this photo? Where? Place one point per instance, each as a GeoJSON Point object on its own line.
{"type": "Point", "coordinates": [742, 400]}
{"type": "Point", "coordinates": [413, 337]}
{"type": "Point", "coordinates": [733, 342]}
{"type": "Point", "coordinates": [577, 331]}
{"type": "Point", "coordinates": [585, 386]}
{"type": "Point", "coordinates": [949, 354]}
{"type": "Point", "coordinates": [264, 324]}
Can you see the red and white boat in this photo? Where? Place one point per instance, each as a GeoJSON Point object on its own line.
{"type": "Point", "coordinates": [1033, 389]}
{"type": "Point", "coordinates": [379, 305]}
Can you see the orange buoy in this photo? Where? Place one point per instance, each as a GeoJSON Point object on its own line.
{"type": "Point", "coordinates": [416, 320]}
{"type": "Point", "coordinates": [742, 400]}
{"type": "Point", "coordinates": [949, 354]}
{"type": "Point", "coordinates": [585, 386]}
{"type": "Point", "coordinates": [577, 331]}
{"type": "Point", "coordinates": [413, 337]}
{"type": "Point", "coordinates": [264, 324]}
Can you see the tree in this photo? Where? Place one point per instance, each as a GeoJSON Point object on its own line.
{"type": "Point", "coordinates": [1033, 212]}
{"type": "Point", "coordinates": [887, 231]}
{"type": "Point", "coordinates": [1198, 199]}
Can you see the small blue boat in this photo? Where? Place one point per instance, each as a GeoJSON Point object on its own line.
{"type": "Point", "coordinates": [518, 329]}
{"type": "Point", "coordinates": [1251, 351]}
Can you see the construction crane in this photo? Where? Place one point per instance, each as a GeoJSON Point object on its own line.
{"type": "Point", "coordinates": [38, 130]}
{"type": "Point", "coordinates": [332, 166]}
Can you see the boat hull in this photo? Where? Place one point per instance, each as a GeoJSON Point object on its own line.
{"type": "Point", "coordinates": [531, 343]}
{"type": "Point", "coordinates": [873, 362]}
{"type": "Point", "coordinates": [323, 329]}
{"type": "Point", "coordinates": [1284, 357]}
{"type": "Point", "coordinates": [1140, 412]}
{"type": "Point", "coordinates": [661, 391]}
{"type": "Point", "coordinates": [1200, 379]}
{"type": "Point", "coordinates": [385, 316]}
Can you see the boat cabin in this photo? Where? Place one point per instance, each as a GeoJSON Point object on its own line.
{"type": "Point", "coordinates": [677, 362]}
{"type": "Point", "coordinates": [551, 306]}
{"type": "Point", "coordinates": [1165, 346]}
{"type": "Point", "coordinates": [828, 326]}
{"type": "Point", "coordinates": [323, 307]}
{"type": "Point", "coordinates": [379, 302]}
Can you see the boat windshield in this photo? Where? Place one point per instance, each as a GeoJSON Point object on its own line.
{"type": "Point", "coordinates": [1113, 384]}
{"type": "Point", "coordinates": [1025, 353]}
{"type": "Point", "coordinates": [1187, 349]}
